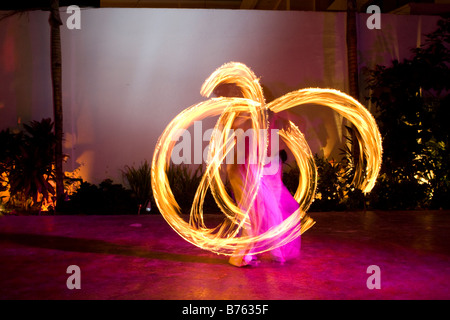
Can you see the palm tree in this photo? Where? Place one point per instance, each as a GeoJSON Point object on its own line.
{"type": "Point", "coordinates": [352, 50]}
{"type": "Point", "coordinates": [56, 70]}
{"type": "Point", "coordinates": [56, 63]}
{"type": "Point", "coordinates": [352, 61]}
{"type": "Point", "coordinates": [31, 171]}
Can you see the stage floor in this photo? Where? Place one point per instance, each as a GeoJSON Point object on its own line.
{"type": "Point", "coordinates": [141, 257]}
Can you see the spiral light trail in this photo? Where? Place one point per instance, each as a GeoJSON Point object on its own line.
{"type": "Point", "coordinates": [227, 237]}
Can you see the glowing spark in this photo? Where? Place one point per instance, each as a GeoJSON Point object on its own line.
{"type": "Point", "coordinates": [238, 227]}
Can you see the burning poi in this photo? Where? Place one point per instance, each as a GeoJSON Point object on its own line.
{"type": "Point", "coordinates": [260, 215]}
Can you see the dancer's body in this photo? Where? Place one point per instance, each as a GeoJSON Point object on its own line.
{"type": "Point", "coordinates": [271, 206]}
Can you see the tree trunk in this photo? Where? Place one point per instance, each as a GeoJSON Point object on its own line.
{"type": "Point", "coordinates": [56, 62]}
{"type": "Point", "coordinates": [352, 50]}
{"type": "Point", "coordinates": [352, 61]}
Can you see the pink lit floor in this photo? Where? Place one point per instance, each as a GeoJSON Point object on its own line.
{"type": "Point", "coordinates": [141, 257]}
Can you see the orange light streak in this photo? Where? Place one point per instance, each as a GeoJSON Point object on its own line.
{"type": "Point", "coordinates": [228, 237]}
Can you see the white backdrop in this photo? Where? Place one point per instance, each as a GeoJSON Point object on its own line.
{"type": "Point", "coordinates": [128, 72]}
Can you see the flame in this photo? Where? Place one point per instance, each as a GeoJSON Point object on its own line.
{"type": "Point", "coordinates": [230, 236]}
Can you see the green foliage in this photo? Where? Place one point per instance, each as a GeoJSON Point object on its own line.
{"type": "Point", "coordinates": [110, 198]}
{"type": "Point", "coordinates": [32, 170]}
{"type": "Point", "coordinates": [9, 151]}
{"type": "Point", "coordinates": [140, 181]}
{"type": "Point", "coordinates": [393, 194]}
{"type": "Point", "coordinates": [26, 164]}
{"type": "Point", "coordinates": [105, 199]}
{"type": "Point", "coordinates": [334, 192]}
{"type": "Point", "coordinates": [412, 110]}
{"type": "Point", "coordinates": [184, 181]}
{"type": "Point", "coordinates": [329, 188]}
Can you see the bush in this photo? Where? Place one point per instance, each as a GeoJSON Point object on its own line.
{"type": "Point", "coordinates": [107, 198]}
{"type": "Point", "coordinates": [26, 166]}
{"type": "Point", "coordinates": [184, 182]}
{"type": "Point", "coordinates": [333, 192]}
{"type": "Point", "coordinates": [140, 181]}
{"type": "Point", "coordinates": [412, 109]}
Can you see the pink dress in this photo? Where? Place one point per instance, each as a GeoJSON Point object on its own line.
{"type": "Point", "coordinates": [272, 205]}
